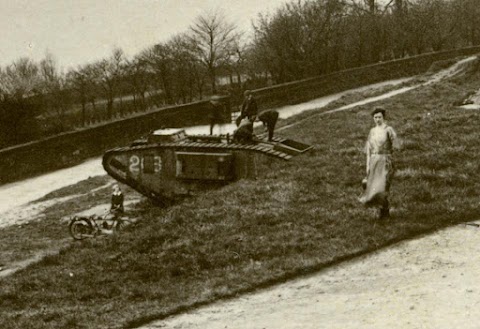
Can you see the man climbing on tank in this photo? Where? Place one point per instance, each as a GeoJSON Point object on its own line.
{"type": "Point", "coordinates": [244, 133]}
{"type": "Point", "coordinates": [249, 108]}
{"type": "Point", "coordinates": [216, 112]}
{"type": "Point", "coordinates": [269, 119]}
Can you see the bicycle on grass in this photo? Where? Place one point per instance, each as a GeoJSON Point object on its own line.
{"type": "Point", "coordinates": [82, 227]}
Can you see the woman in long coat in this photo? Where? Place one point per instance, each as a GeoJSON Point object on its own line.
{"type": "Point", "coordinates": [380, 167]}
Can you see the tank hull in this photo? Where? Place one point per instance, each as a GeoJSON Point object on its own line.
{"type": "Point", "coordinates": [165, 170]}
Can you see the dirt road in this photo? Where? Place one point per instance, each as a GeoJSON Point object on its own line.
{"type": "Point", "coordinates": [431, 282]}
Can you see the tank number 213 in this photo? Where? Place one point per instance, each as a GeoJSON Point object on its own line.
{"type": "Point", "coordinates": [147, 164]}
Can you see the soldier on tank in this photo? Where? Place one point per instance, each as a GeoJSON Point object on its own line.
{"type": "Point", "coordinates": [269, 119]}
{"type": "Point", "coordinates": [244, 133]}
{"type": "Point", "coordinates": [216, 112]}
{"type": "Point", "coordinates": [249, 108]}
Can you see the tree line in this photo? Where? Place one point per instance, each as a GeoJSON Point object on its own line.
{"type": "Point", "coordinates": [308, 38]}
{"type": "Point", "coordinates": [299, 40]}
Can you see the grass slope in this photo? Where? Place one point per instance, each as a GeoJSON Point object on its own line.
{"type": "Point", "coordinates": [302, 216]}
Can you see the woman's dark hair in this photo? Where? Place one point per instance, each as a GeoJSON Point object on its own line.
{"type": "Point", "coordinates": [379, 109]}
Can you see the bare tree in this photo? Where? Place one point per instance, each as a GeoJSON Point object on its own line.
{"type": "Point", "coordinates": [138, 79]}
{"type": "Point", "coordinates": [94, 80]}
{"type": "Point", "coordinates": [237, 59]}
{"type": "Point", "coordinates": [214, 38]}
{"type": "Point", "coordinates": [159, 60]}
{"type": "Point", "coordinates": [21, 78]}
{"type": "Point", "coordinates": [467, 16]}
{"type": "Point", "coordinates": [19, 82]}
{"type": "Point", "coordinates": [110, 71]}
{"type": "Point", "coordinates": [197, 73]}
{"type": "Point", "coordinates": [301, 39]}
{"type": "Point", "coordinates": [55, 97]}
{"type": "Point", "coordinates": [81, 81]}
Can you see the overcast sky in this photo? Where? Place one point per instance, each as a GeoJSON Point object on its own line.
{"type": "Point", "coordinates": [82, 31]}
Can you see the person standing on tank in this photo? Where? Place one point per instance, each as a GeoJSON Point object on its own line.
{"type": "Point", "coordinates": [379, 165]}
{"type": "Point", "coordinates": [215, 115]}
{"type": "Point", "coordinates": [269, 119]}
{"type": "Point", "coordinates": [249, 108]}
{"type": "Point", "coordinates": [244, 133]}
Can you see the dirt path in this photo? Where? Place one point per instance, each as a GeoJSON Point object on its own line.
{"type": "Point", "coordinates": [447, 73]}
{"type": "Point", "coordinates": [19, 193]}
{"type": "Point", "coordinates": [431, 282]}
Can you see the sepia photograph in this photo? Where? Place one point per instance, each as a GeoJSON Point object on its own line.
{"type": "Point", "coordinates": [275, 164]}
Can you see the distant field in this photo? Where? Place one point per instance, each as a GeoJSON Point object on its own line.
{"type": "Point", "coordinates": [303, 216]}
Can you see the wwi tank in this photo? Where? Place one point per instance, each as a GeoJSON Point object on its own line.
{"type": "Point", "coordinates": [170, 163]}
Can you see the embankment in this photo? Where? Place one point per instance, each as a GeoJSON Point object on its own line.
{"type": "Point", "coordinates": [307, 89]}
{"type": "Point", "coordinates": [70, 148]}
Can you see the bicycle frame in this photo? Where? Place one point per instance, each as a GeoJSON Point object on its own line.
{"type": "Point", "coordinates": [88, 227]}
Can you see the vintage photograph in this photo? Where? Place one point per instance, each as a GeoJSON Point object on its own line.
{"type": "Point", "coordinates": [239, 164]}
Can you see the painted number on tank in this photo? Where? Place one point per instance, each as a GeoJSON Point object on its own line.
{"type": "Point", "coordinates": [134, 166]}
{"type": "Point", "coordinates": [144, 164]}
{"type": "Point", "coordinates": [157, 161]}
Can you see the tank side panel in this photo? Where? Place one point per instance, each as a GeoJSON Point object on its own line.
{"type": "Point", "coordinates": [171, 170]}
{"type": "Point", "coordinates": [152, 169]}
{"type": "Point", "coordinates": [245, 164]}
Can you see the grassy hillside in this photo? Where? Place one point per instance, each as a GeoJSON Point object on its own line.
{"type": "Point", "coordinates": [302, 216]}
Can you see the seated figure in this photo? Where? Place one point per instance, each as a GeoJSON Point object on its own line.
{"type": "Point", "coordinates": [244, 132]}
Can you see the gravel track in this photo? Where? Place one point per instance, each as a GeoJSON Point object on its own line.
{"type": "Point", "coordinates": [430, 282]}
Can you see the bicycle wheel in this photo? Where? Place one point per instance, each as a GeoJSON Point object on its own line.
{"type": "Point", "coordinates": [80, 228]}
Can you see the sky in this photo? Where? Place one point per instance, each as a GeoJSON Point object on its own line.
{"type": "Point", "coordinates": [77, 32]}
